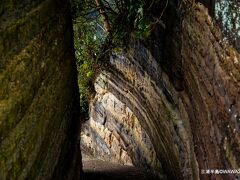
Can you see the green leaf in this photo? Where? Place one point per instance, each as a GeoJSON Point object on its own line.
{"type": "Point", "coordinates": [89, 74]}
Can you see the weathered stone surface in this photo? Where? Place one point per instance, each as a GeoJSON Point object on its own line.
{"type": "Point", "coordinates": [185, 99]}
{"type": "Point", "coordinates": [212, 93]}
{"type": "Point", "coordinates": [113, 132]}
{"type": "Point", "coordinates": [39, 117]}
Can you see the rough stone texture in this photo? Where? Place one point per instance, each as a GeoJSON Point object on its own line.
{"type": "Point", "coordinates": [212, 93]}
{"type": "Point", "coordinates": [188, 107]}
{"type": "Point", "coordinates": [137, 87]}
{"type": "Point", "coordinates": [114, 133]}
{"type": "Point", "coordinates": [39, 118]}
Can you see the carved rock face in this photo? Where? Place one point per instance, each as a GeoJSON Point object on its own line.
{"type": "Point", "coordinates": [190, 130]}
{"type": "Point", "coordinates": [38, 90]}
{"type": "Point", "coordinates": [138, 116]}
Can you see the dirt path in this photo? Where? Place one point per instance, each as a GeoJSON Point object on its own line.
{"type": "Point", "coordinates": [100, 170]}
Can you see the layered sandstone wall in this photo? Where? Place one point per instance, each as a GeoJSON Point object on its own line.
{"type": "Point", "coordinates": [137, 83]}
{"type": "Point", "coordinates": [114, 132]}
{"type": "Point", "coordinates": [39, 117]}
{"type": "Point", "coordinates": [212, 93]}
{"type": "Point", "coordinates": [182, 87]}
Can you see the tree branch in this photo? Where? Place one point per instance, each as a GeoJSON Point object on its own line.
{"type": "Point", "coordinates": [103, 15]}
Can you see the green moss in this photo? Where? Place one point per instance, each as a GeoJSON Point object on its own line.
{"type": "Point", "coordinates": [37, 85]}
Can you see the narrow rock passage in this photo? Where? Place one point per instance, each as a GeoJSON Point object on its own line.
{"type": "Point", "coordinates": [101, 170]}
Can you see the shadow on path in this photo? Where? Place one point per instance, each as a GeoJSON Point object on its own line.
{"type": "Point", "coordinates": [100, 170]}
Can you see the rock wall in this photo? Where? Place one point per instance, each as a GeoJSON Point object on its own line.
{"type": "Point", "coordinates": [114, 133]}
{"type": "Point", "coordinates": [212, 93]}
{"type": "Point", "coordinates": [182, 89]}
{"type": "Point", "coordinates": [39, 119]}
{"type": "Point", "coordinates": [136, 82]}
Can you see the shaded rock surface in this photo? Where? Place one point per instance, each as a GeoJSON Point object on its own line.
{"type": "Point", "coordinates": [170, 104]}
{"type": "Point", "coordinates": [112, 136]}
{"type": "Point", "coordinates": [182, 89]}
{"type": "Point", "coordinates": [39, 119]}
{"type": "Point", "coordinates": [212, 93]}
